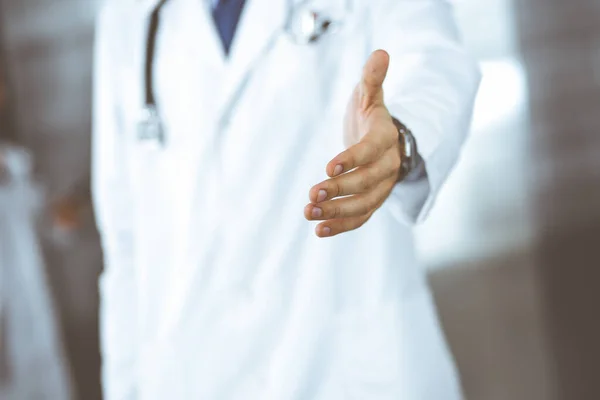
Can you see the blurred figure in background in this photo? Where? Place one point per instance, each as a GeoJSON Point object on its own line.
{"type": "Point", "coordinates": [30, 342]}
{"type": "Point", "coordinates": [213, 122]}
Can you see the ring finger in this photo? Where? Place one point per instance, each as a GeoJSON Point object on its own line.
{"type": "Point", "coordinates": [351, 206]}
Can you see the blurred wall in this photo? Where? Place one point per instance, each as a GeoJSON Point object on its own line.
{"type": "Point", "coordinates": [560, 43]}
{"type": "Point", "coordinates": [6, 128]}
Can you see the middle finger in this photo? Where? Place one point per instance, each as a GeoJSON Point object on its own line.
{"type": "Point", "coordinates": [357, 181]}
{"type": "Point", "coordinates": [351, 206]}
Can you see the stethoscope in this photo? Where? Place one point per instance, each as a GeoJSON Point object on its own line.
{"type": "Point", "coordinates": [304, 26]}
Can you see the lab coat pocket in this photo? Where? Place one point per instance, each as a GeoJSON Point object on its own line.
{"type": "Point", "coordinates": [369, 358]}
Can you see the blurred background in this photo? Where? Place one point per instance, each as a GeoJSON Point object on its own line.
{"type": "Point", "coordinates": [512, 248]}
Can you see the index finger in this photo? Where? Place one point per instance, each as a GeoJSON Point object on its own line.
{"type": "Point", "coordinates": [371, 147]}
{"type": "Point", "coordinates": [362, 153]}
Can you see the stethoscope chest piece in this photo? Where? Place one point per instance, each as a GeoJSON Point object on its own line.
{"type": "Point", "coordinates": [306, 26]}
{"type": "Point", "coordinates": [150, 130]}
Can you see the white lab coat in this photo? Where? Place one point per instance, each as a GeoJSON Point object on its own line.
{"type": "Point", "coordinates": [215, 286]}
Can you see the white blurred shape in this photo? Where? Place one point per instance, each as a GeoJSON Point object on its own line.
{"type": "Point", "coordinates": [502, 95]}
{"type": "Point", "coordinates": [32, 354]}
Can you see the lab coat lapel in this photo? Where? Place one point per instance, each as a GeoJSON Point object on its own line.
{"type": "Point", "coordinates": [205, 31]}
{"type": "Point", "coordinates": [261, 22]}
{"type": "Point", "coordinates": [147, 6]}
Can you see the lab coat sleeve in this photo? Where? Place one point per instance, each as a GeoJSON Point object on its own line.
{"type": "Point", "coordinates": [113, 214]}
{"type": "Point", "coordinates": [430, 87]}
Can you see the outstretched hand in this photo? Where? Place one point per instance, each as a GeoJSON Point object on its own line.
{"type": "Point", "coordinates": [363, 176]}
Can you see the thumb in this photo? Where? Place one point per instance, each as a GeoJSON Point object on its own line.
{"type": "Point", "coordinates": [374, 73]}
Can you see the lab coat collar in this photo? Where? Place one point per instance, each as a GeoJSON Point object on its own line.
{"type": "Point", "coordinates": [261, 23]}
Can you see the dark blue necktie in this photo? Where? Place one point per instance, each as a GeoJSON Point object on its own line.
{"type": "Point", "coordinates": [227, 15]}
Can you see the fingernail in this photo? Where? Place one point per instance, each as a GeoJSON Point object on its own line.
{"type": "Point", "coordinates": [337, 170]}
{"type": "Point", "coordinates": [326, 231]}
{"type": "Point", "coordinates": [316, 212]}
{"type": "Point", "coordinates": [321, 196]}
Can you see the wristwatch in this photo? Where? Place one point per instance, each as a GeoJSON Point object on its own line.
{"type": "Point", "coordinates": [411, 161]}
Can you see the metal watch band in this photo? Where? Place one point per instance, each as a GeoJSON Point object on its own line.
{"type": "Point", "coordinates": [410, 156]}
